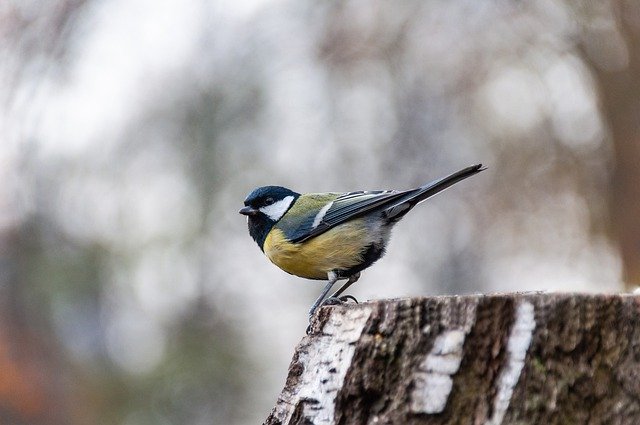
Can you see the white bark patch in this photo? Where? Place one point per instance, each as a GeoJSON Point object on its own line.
{"type": "Point", "coordinates": [433, 383]}
{"type": "Point", "coordinates": [433, 380]}
{"type": "Point", "coordinates": [517, 347]}
{"type": "Point", "coordinates": [325, 359]}
{"type": "Point", "coordinates": [321, 214]}
{"type": "Point", "coordinates": [277, 209]}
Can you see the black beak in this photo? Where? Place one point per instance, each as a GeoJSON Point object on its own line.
{"type": "Point", "coordinates": [248, 211]}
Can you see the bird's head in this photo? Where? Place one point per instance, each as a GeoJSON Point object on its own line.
{"type": "Point", "coordinates": [264, 206]}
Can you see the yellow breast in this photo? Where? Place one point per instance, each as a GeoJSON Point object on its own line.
{"type": "Point", "coordinates": [337, 249]}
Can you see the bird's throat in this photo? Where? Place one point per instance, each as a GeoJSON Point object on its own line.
{"type": "Point", "coordinates": [259, 228]}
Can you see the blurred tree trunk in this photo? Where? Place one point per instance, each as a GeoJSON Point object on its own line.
{"type": "Point", "coordinates": [526, 359]}
{"type": "Point", "coordinates": [31, 381]}
{"type": "Point", "coordinates": [616, 66]}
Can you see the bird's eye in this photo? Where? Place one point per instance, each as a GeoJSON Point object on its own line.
{"type": "Point", "coordinates": [269, 201]}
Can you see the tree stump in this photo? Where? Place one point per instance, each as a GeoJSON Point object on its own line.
{"type": "Point", "coordinates": [497, 359]}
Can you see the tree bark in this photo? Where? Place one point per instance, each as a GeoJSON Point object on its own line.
{"type": "Point", "coordinates": [498, 359]}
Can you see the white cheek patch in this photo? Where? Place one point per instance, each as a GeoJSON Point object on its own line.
{"type": "Point", "coordinates": [321, 215]}
{"type": "Point", "coordinates": [276, 210]}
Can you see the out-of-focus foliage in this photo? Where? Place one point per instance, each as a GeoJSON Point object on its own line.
{"type": "Point", "coordinates": [130, 292]}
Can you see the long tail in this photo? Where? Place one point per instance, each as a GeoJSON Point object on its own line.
{"type": "Point", "coordinates": [414, 197]}
{"type": "Point", "coordinates": [437, 186]}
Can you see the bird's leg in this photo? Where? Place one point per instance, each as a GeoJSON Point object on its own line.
{"type": "Point", "coordinates": [336, 298]}
{"type": "Point", "coordinates": [333, 278]}
{"type": "Point", "coordinates": [352, 279]}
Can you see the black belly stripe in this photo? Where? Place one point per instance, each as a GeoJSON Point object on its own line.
{"type": "Point", "coordinates": [371, 255]}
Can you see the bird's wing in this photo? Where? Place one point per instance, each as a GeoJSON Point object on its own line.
{"type": "Point", "coordinates": [314, 214]}
{"type": "Point", "coordinates": [338, 210]}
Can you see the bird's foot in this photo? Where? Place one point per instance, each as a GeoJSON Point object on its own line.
{"type": "Point", "coordinates": [339, 300]}
{"type": "Point", "coordinates": [345, 298]}
{"type": "Point", "coordinates": [330, 301]}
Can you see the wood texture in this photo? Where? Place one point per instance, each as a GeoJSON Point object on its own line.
{"type": "Point", "coordinates": [498, 359]}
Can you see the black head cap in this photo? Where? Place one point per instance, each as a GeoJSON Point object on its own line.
{"type": "Point", "coordinates": [267, 195]}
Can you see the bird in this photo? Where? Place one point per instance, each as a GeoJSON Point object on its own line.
{"type": "Point", "coordinates": [332, 236]}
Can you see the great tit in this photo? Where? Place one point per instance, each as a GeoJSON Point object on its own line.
{"type": "Point", "coordinates": [331, 235]}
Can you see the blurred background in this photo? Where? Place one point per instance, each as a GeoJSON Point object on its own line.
{"type": "Point", "coordinates": [131, 131]}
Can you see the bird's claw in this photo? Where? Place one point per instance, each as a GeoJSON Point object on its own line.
{"type": "Point", "coordinates": [331, 301]}
{"type": "Point", "coordinates": [346, 298]}
{"type": "Point", "coordinates": [339, 300]}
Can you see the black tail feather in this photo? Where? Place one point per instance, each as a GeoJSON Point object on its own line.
{"type": "Point", "coordinates": [430, 189]}
{"type": "Point", "coordinates": [414, 197]}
